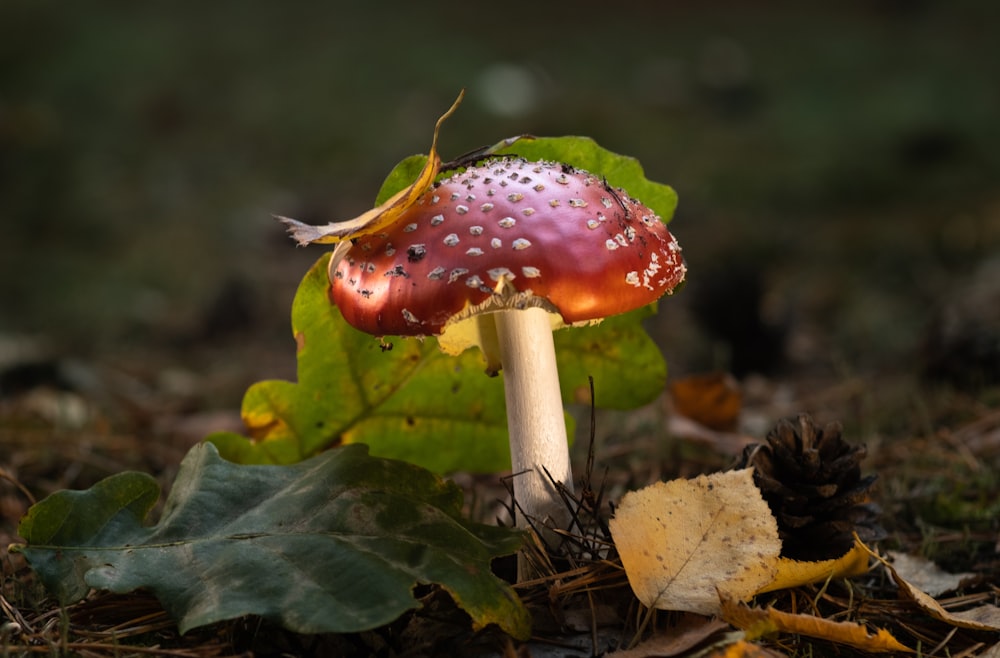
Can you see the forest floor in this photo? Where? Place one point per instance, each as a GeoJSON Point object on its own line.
{"type": "Point", "coordinates": [929, 415]}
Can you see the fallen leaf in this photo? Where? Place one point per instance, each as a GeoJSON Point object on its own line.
{"type": "Point", "coordinates": [334, 544]}
{"type": "Point", "coordinates": [792, 573]}
{"type": "Point", "coordinates": [691, 631]}
{"type": "Point", "coordinates": [981, 618]}
{"type": "Point", "coordinates": [992, 652]}
{"type": "Point", "coordinates": [381, 216]}
{"type": "Point", "coordinates": [680, 640]}
{"type": "Point", "coordinates": [713, 400]}
{"type": "Point", "coordinates": [758, 622]}
{"type": "Point", "coordinates": [925, 575]}
{"type": "Point", "coordinates": [684, 541]}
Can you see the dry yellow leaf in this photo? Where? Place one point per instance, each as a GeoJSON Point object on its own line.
{"type": "Point", "coordinates": [684, 542]}
{"type": "Point", "coordinates": [792, 573]}
{"type": "Point", "coordinates": [378, 218]}
{"type": "Point", "coordinates": [758, 622]}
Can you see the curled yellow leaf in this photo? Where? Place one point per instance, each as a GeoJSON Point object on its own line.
{"type": "Point", "coordinates": [792, 573]}
{"type": "Point", "coordinates": [758, 622]}
{"type": "Point", "coordinates": [377, 218]}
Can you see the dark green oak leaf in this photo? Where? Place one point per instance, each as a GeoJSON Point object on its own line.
{"type": "Point", "coordinates": [334, 544]}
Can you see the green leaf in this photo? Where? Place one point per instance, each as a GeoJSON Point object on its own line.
{"type": "Point", "coordinates": [334, 544]}
{"type": "Point", "coordinates": [402, 175]}
{"type": "Point", "coordinates": [627, 366]}
{"type": "Point", "coordinates": [584, 153]}
{"type": "Point", "coordinates": [581, 152]}
{"type": "Point", "coordinates": [412, 402]}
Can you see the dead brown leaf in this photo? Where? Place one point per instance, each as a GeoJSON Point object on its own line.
{"type": "Point", "coordinates": [926, 575]}
{"type": "Point", "coordinates": [677, 641]}
{"type": "Point", "coordinates": [712, 399]}
{"type": "Point", "coordinates": [981, 618]}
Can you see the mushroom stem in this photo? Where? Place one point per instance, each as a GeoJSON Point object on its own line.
{"type": "Point", "coordinates": [535, 417]}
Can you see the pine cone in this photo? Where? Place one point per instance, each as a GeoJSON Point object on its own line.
{"type": "Point", "coordinates": [811, 479]}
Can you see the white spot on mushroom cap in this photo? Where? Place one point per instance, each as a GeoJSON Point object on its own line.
{"type": "Point", "coordinates": [507, 222]}
{"type": "Point", "coordinates": [632, 278]}
{"type": "Point", "coordinates": [531, 272]}
{"type": "Point", "coordinates": [496, 243]}
{"type": "Point", "coordinates": [457, 274]}
{"type": "Point", "coordinates": [520, 244]}
{"type": "Point", "coordinates": [486, 207]}
{"type": "Point", "coordinates": [461, 210]}
{"type": "Point", "coordinates": [577, 203]}
{"type": "Point", "coordinates": [411, 227]}
{"type": "Point", "coordinates": [436, 273]}
{"type": "Point", "coordinates": [514, 197]}
{"type": "Point", "coordinates": [474, 281]}
{"type": "Point", "coordinates": [435, 220]}
{"type": "Point", "coordinates": [476, 230]}
{"type": "Point", "coordinates": [528, 212]}
{"type": "Point", "coordinates": [497, 272]}
{"type": "Point", "coordinates": [474, 251]}
{"type": "Point", "coordinates": [610, 244]}
{"type": "Point", "coordinates": [410, 317]}
{"type": "Point", "coordinates": [451, 239]}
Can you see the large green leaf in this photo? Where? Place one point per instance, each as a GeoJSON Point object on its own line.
{"type": "Point", "coordinates": [412, 402]}
{"type": "Point", "coordinates": [416, 403]}
{"type": "Point", "coordinates": [627, 366]}
{"type": "Point", "coordinates": [332, 544]}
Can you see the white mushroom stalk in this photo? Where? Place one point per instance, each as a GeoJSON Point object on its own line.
{"type": "Point", "coordinates": [535, 420]}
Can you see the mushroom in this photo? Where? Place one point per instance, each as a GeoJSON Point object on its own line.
{"type": "Point", "coordinates": [497, 256]}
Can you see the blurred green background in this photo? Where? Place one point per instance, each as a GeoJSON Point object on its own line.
{"type": "Point", "coordinates": [836, 163]}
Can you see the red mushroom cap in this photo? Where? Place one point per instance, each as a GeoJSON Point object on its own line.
{"type": "Point", "coordinates": [508, 234]}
